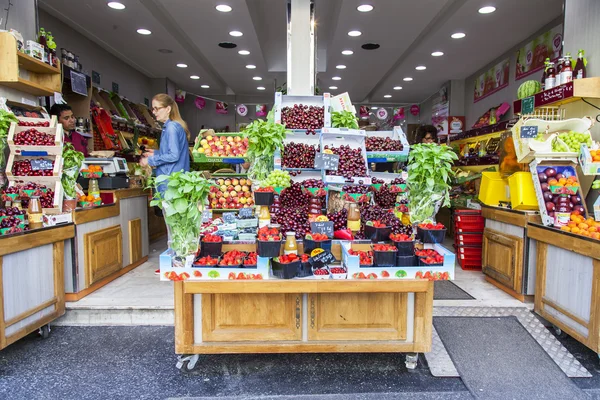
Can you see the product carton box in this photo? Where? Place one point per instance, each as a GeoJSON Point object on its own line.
{"type": "Point", "coordinates": [34, 49]}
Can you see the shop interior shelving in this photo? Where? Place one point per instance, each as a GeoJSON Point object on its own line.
{"type": "Point", "coordinates": [564, 94]}
{"type": "Point", "coordinates": [25, 73]}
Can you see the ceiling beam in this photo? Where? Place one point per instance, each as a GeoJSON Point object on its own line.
{"type": "Point", "coordinates": [441, 17]}
{"type": "Point", "coordinates": [163, 16]}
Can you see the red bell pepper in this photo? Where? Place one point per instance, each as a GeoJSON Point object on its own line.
{"type": "Point", "coordinates": [343, 234]}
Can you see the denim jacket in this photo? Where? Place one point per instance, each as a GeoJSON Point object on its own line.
{"type": "Point", "coordinates": [173, 154]}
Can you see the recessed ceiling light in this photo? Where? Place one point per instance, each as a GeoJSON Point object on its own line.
{"type": "Point", "coordinates": [244, 53]}
{"type": "Point", "coordinates": [143, 31]}
{"type": "Point", "coordinates": [205, 87]}
{"type": "Point", "coordinates": [194, 77]}
{"type": "Point", "coordinates": [236, 33]}
{"type": "Point", "coordinates": [487, 10]}
{"type": "Point", "coordinates": [261, 88]}
{"type": "Point", "coordinates": [365, 8]}
{"type": "Point", "coordinates": [337, 78]}
{"type": "Point", "coordinates": [223, 8]}
{"type": "Point", "coordinates": [408, 79]}
{"type": "Point", "coordinates": [397, 87]}
{"type": "Point", "coordinates": [387, 96]}
{"type": "Point", "coordinates": [332, 87]}
{"type": "Point", "coordinates": [347, 52]}
{"type": "Point", "coordinates": [250, 66]}
{"type": "Point", "coordinates": [340, 66]}
{"type": "Point", "coordinates": [437, 53]}
{"type": "Point", "coordinates": [354, 33]}
{"type": "Point", "coordinates": [458, 35]}
{"type": "Point", "coordinates": [257, 78]}
{"type": "Point", "coordinates": [116, 5]}
{"type": "Point", "coordinates": [421, 68]}
{"type": "Point", "coordinates": [181, 65]}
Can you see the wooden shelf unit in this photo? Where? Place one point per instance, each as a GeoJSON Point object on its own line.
{"type": "Point", "coordinates": [42, 79]}
{"type": "Point", "coordinates": [564, 94]}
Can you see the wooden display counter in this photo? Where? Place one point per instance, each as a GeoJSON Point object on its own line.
{"type": "Point", "coordinates": [32, 291]}
{"type": "Point", "coordinates": [302, 316]}
{"type": "Point", "coordinates": [567, 291]}
{"type": "Point", "coordinates": [109, 241]}
{"type": "Point", "coordinates": [508, 255]}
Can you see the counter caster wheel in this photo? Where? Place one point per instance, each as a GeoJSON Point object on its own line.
{"type": "Point", "coordinates": [411, 361]}
{"type": "Point", "coordinates": [44, 331]}
{"type": "Point", "coordinates": [559, 332]}
{"type": "Point", "coordinates": [187, 363]}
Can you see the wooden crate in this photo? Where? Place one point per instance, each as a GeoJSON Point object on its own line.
{"type": "Point", "coordinates": [53, 120]}
{"type": "Point", "coordinates": [57, 131]}
{"type": "Point", "coordinates": [56, 186]}
{"type": "Point", "coordinates": [56, 172]}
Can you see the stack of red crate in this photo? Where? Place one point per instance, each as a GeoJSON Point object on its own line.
{"type": "Point", "coordinates": [468, 237]}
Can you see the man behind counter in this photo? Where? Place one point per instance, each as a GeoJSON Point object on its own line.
{"type": "Point", "coordinates": [65, 116]}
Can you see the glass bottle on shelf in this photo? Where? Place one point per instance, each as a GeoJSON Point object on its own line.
{"type": "Point", "coordinates": [543, 82]}
{"type": "Point", "coordinates": [34, 213]}
{"type": "Point", "coordinates": [566, 73]}
{"type": "Point", "coordinates": [550, 76]}
{"type": "Point", "coordinates": [93, 188]}
{"type": "Point", "coordinates": [264, 216]}
{"type": "Point", "coordinates": [579, 72]}
{"type": "Point", "coordinates": [559, 67]}
{"type": "Point", "coordinates": [17, 204]}
{"type": "Point", "coordinates": [291, 246]}
{"type": "Point", "coordinates": [354, 217]}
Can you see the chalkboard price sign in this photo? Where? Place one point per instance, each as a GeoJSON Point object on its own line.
{"type": "Point", "coordinates": [245, 212]}
{"type": "Point", "coordinates": [529, 132]}
{"type": "Point", "coordinates": [78, 83]}
{"type": "Point", "coordinates": [229, 217]}
{"type": "Point", "coordinates": [322, 259]}
{"type": "Point", "coordinates": [327, 161]}
{"type": "Point", "coordinates": [322, 227]}
{"type": "Point", "coordinates": [37, 165]}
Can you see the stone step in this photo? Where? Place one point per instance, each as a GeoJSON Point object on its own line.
{"type": "Point", "coordinates": [116, 316]}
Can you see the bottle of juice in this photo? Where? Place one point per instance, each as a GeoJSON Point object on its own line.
{"type": "Point", "coordinates": [354, 217]}
{"type": "Point", "coordinates": [34, 213]}
{"type": "Point", "coordinates": [543, 82]}
{"type": "Point", "coordinates": [264, 216]}
{"type": "Point", "coordinates": [559, 67]}
{"type": "Point", "coordinates": [566, 73]}
{"type": "Point", "coordinates": [291, 246]}
{"type": "Point", "coordinates": [579, 71]}
{"type": "Point", "coordinates": [550, 76]}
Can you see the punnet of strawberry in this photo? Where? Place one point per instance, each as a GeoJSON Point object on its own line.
{"type": "Point", "coordinates": [400, 237]}
{"type": "Point", "coordinates": [427, 253]}
{"type": "Point", "coordinates": [251, 259]}
{"type": "Point", "coordinates": [438, 259]}
{"type": "Point", "coordinates": [212, 239]}
{"type": "Point", "coordinates": [338, 270]}
{"type": "Point", "coordinates": [430, 226]}
{"type": "Point", "coordinates": [268, 234]}
{"type": "Point", "coordinates": [265, 189]}
{"type": "Point", "coordinates": [287, 258]}
{"type": "Point", "coordinates": [208, 260]}
{"type": "Point", "coordinates": [304, 258]}
{"type": "Point", "coordinates": [365, 257]}
{"type": "Point", "coordinates": [384, 247]}
{"type": "Point", "coordinates": [316, 237]}
{"type": "Point", "coordinates": [376, 224]}
{"type": "Point", "coordinates": [232, 258]}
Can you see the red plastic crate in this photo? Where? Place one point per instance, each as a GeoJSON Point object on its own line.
{"type": "Point", "coordinates": [467, 211]}
{"type": "Point", "coordinates": [470, 265]}
{"type": "Point", "coordinates": [462, 239]}
{"type": "Point", "coordinates": [469, 257]}
{"type": "Point", "coordinates": [468, 219]}
{"type": "Point", "coordinates": [469, 227]}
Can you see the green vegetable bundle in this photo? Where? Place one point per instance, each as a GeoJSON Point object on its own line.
{"type": "Point", "coordinates": [429, 180]}
{"type": "Point", "coordinates": [344, 119]}
{"type": "Point", "coordinates": [182, 203]}
{"type": "Point", "coordinates": [6, 118]}
{"type": "Point", "coordinates": [72, 160]}
{"type": "Point", "coordinates": [264, 137]}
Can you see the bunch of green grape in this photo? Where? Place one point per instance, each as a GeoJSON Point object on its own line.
{"type": "Point", "coordinates": [558, 147]}
{"type": "Point", "coordinates": [279, 178]}
{"type": "Point", "coordinates": [539, 137]}
{"type": "Point", "coordinates": [574, 140]}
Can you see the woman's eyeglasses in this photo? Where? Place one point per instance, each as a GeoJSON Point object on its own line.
{"type": "Point", "coordinates": [155, 109]}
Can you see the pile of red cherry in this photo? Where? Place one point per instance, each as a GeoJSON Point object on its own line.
{"type": "Point", "coordinates": [33, 137]}
{"type": "Point", "coordinates": [23, 168]}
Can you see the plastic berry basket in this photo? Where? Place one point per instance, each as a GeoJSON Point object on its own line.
{"type": "Point", "coordinates": [406, 261]}
{"type": "Point", "coordinates": [285, 271]}
{"type": "Point", "coordinates": [210, 248]}
{"type": "Point", "coordinates": [431, 235]}
{"type": "Point", "coordinates": [304, 270]}
{"type": "Point", "coordinates": [377, 234]}
{"type": "Point", "coordinates": [384, 258]}
{"type": "Point", "coordinates": [406, 248]}
{"type": "Point", "coordinates": [310, 245]}
{"type": "Point", "coordinates": [264, 198]}
{"type": "Point", "coordinates": [92, 175]}
{"type": "Point", "coordinates": [342, 275]}
{"type": "Point", "coordinates": [323, 276]}
{"type": "Point", "coordinates": [270, 248]}
{"type": "Point", "coordinates": [422, 263]}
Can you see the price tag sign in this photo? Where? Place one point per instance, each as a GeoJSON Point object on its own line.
{"type": "Point", "coordinates": [206, 215]}
{"type": "Point", "coordinates": [527, 105]}
{"type": "Point", "coordinates": [327, 161]}
{"type": "Point", "coordinates": [320, 258]}
{"type": "Point", "coordinates": [78, 83]}
{"type": "Point", "coordinates": [246, 212]}
{"type": "Point", "coordinates": [229, 217]}
{"type": "Point", "coordinates": [37, 165]}
{"type": "Point", "coordinates": [325, 227]}
{"type": "Point", "coordinates": [529, 132]}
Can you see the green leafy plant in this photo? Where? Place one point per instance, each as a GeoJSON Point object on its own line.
{"type": "Point", "coordinates": [72, 160]}
{"type": "Point", "coordinates": [6, 118]}
{"type": "Point", "coordinates": [344, 119]}
{"type": "Point", "coordinates": [182, 202]}
{"type": "Point", "coordinates": [429, 180]}
{"type": "Point", "coordinates": [264, 137]}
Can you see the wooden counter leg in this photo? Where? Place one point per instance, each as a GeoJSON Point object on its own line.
{"type": "Point", "coordinates": [540, 276]}
{"type": "Point", "coordinates": [423, 320]}
{"type": "Point", "coordinates": [2, 323]}
{"type": "Point", "coordinates": [58, 250]}
{"type": "Point", "coordinates": [184, 320]}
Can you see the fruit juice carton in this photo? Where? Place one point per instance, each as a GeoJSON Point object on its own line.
{"type": "Point", "coordinates": [588, 165]}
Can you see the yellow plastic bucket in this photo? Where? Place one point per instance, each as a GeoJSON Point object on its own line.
{"type": "Point", "coordinates": [522, 192]}
{"type": "Point", "coordinates": [494, 189]}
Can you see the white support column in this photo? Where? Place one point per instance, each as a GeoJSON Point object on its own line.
{"type": "Point", "coordinates": [300, 48]}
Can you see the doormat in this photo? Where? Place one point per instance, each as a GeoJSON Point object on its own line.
{"type": "Point", "coordinates": [448, 290]}
{"type": "Point", "coordinates": [497, 358]}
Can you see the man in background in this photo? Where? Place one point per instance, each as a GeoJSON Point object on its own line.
{"type": "Point", "coordinates": [65, 116]}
